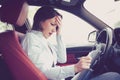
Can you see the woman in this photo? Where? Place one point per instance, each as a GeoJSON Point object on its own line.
{"type": "Point", "coordinates": [42, 53]}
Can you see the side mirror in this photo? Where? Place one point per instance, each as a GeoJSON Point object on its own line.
{"type": "Point", "coordinates": [92, 36]}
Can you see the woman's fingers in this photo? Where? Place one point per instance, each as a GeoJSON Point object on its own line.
{"type": "Point", "coordinates": [58, 21]}
{"type": "Point", "coordinates": [84, 63]}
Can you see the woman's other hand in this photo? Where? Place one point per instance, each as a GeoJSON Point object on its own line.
{"type": "Point", "coordinates": [84, 63]}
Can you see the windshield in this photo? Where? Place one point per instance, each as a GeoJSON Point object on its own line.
{"type": "Point", "coordinates": [106, 10]}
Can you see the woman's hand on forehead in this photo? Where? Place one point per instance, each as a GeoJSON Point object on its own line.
{"type": "Point", "coordinates": [59, 24]}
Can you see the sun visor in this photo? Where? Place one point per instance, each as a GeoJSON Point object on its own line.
{"type": "Point", "coordinates": [10, 10]}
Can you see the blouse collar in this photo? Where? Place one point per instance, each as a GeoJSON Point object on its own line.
{"type": "Point", "coordinates": [39, 33]}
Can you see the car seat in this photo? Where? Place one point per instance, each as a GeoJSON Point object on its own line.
{"type": "Point", "coordinates": [20, 66]}
{"type": "Point", "coordinates": [18, 62]}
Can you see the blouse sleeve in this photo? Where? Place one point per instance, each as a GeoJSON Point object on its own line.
{"type": "Point", "coordinates": [61, 50]}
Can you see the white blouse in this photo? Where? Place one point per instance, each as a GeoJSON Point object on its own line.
{"type": "Point", "coordinates": [45, 56]}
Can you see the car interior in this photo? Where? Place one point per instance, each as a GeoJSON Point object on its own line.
{"type": "Point", "coordinates": [14, 63]}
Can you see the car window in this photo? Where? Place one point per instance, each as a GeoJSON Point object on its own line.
{"type": "Point", "coordinates": [106, 10]}
{"type": "Point", "coordinates": [4, 27]}
{"type": "Point", "coordinates": [74, 30]}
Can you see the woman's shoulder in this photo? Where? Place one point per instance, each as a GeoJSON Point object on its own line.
{"type": "Point", "coordinates": [33, 33]}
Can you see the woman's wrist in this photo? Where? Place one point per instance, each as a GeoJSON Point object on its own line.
{"type": "Point", "coordinates": [58, 31]}
{"type": "Point", "coordinates": [77, 68]}
{"type": "Point", "coordinates": [58, 34]}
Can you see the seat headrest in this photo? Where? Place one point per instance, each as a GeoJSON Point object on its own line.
{"type": "Point", "coordinates": [10, 11]}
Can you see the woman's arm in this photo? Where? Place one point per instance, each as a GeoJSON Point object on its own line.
{"type": "Point", "coordinates": [61, 50]}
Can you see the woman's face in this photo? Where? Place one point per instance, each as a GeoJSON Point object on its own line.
{"type": "Point", "coordinates": [49, 27]}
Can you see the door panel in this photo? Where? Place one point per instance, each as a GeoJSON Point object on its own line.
{"type": "Point", "coordinates": [74, 53]}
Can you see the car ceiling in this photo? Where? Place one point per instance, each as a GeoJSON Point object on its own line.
{"type": "Point", "coordinates": [56, 2]}
{"type": "Point", "coordinates": [53, 2]}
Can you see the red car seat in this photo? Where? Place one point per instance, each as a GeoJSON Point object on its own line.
{"type": "Point", "coordinates": [19, 64]}
{"type": "Point", "coordinates": [21, 68]}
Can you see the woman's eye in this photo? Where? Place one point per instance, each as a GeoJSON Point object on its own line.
{"type": "Point", "coordinates": [53, 24]}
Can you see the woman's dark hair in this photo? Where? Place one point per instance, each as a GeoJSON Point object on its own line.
{"type": "Point", "coordinates": [44, 13]}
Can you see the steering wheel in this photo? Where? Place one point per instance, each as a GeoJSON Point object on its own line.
{"type": "Point", "coordinates": [102, 46]}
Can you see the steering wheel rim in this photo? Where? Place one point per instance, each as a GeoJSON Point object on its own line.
{"type": "Point", "coordinates": [103, 44]}
{"type": "Point", "coordinates": [101, 50]}
{"type": "Point", "coordinates": [108, 38]}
